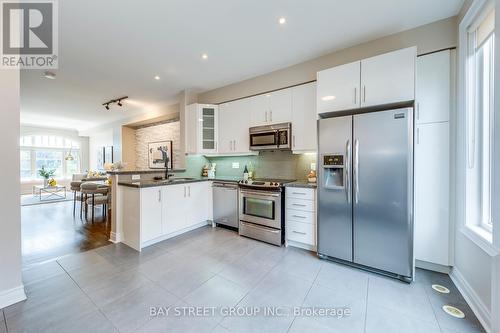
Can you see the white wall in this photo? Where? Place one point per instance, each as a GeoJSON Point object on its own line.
{"type": "Point", "coordinates": [97, 140]}
{"type": "Point", "coordinates": [475, 272]}
{"type": "Point", "coordinates": [11, 285]}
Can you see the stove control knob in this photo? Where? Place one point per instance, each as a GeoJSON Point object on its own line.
{"type": "Point", "coordinates": [246, 181]}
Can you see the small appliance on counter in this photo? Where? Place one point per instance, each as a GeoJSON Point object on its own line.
{"type": "Point", "coordinates": [211, 172]}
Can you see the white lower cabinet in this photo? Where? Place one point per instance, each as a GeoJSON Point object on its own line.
{"type": "Point", "coordinates": [151, 215]}
{"type": "Point", "coordinates": [300, 217]}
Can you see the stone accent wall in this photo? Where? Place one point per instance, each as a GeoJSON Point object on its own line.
{"type": "Point", "coordinates": [144, 135]}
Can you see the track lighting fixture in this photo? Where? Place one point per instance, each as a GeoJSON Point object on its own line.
{"type": "Point", "coordinates": [118, 101]}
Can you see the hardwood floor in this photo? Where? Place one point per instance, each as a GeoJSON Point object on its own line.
{"type": "Point", "coordinates": [50, 231]}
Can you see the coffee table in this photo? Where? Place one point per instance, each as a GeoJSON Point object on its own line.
{"type": "Point", "coordinates": [54, 192]}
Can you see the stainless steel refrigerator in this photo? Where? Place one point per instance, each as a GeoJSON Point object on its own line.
{"type": "Point", "coordinates": [365, 191]}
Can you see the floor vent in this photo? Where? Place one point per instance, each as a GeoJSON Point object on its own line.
{"type": "Point", "coordinates": [453, 311]}
{"type": "Point", "coordinates": [440, 289]}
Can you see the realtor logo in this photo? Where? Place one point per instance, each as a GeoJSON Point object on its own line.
{"type": "Point", "coordinates": [29, 34]}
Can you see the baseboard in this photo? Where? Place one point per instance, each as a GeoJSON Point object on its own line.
{"type": "Point", "coordinates": [173, 234]}
{"type": "Point", "coordinates": [301, 245]}
{"type": "Point", "coordinates": [432, 266]}
{"type": "Point", "coordinates": [12, 296]}
{"type": "Point", "coordinates": [476, 304]}
{"type": "Point", "coordinates": [115, 237]}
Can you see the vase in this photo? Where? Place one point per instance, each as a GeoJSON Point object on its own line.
{"type": "Point", "coordinates": [45, 182]}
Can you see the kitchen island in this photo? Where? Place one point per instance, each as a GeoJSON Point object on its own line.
{"type": "Point", "coordinates": [153, 211]}
{"type": "Point", "coordinates": [147, 211]}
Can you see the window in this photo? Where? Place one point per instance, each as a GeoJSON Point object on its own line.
{"type": "Point", "coordinates": [48, 151]}
{"type": "Point", "coordinates": [480, 102]}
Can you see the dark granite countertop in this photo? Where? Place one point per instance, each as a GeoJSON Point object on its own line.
{"type": "Point", "coordinates": [153, 183]}
{"type": "Point", "coordinates": [303, 184]}
{"type": "Point", "coordinates": [142, 172]}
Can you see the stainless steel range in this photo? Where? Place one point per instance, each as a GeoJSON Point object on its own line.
{"type": "Point", "coordinates": [262, 207]}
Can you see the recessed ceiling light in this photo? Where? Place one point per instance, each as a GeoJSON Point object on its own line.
{"type": "Point", "coordinates": [49, 75]}
{"type": "Point", "coordinates": [328, 98]}
{"type": "Point", "coordinates": [157, 77]}
{"type": "Point", "coordinates": [204, 56]}
{"type": "Point", "coordinates": [282, 20]}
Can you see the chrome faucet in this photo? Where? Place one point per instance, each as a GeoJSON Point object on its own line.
{"type": "Point", "coordinates": [167, 160]}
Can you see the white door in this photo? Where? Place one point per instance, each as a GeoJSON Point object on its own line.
{"type": "Point", "coordinates": [259, 110]}
{"type": "Point", "coordinates": [174, 208]}
{"type": "Point", "coordinates": [226, 123]}
{"type": "Point", "coordinates": [388, 78]}
{"type": "Point", "coordinates": [280, 106]}
{"type": "Point", "coordinates": [432, 188]}
{"type": "Point", "coordinates": [199, 200]}
{"type": "Point", "coordinates": [304, 127]}
{"type": "Point", "coordinates": [433, 87]}
{"type": "Point", "coordinates": [338, 88]}
{"type": "Point", "coordinates": [151, 213]}
{"type": "Point", "coordinates": [240, 124]}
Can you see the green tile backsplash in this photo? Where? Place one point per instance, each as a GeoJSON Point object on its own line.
{"type": "Point", "coordinates": [273, 164]}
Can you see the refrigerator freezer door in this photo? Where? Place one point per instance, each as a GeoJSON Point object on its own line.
{"type": "Point", "coordinates": [334, 188]}
{"type": "Point", "coordinates": [383, 178]}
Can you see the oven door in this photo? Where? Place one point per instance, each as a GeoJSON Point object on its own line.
{"type": "Point", "coordinates": [264, 140]}
{"type": "Point", "coordinates": [261, 207]}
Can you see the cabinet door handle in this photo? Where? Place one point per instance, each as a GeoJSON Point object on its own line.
{"type": "Point", "coordinates": [159, 195]}
{"type": "Point", "coordinates": [418, 111]}
{"type": "Point", "coordinates": [271, 115]}
{"type": "Point", "coordinates": [298, 232]}
{"type": "Point", "coordinates": [189, 191]}
{"type": "Point", "coordinates": [364, 94]}
{"type": "Point", "coordinates": [301, 193]}
{"type": "Point", "coordinates": [298, 205]}
{"type": "Point", "coordinates": [184, 191]}
{"type": "Point", "coordinates": [293, 138]}
{"type": "Point", "coordinates": [266, 116]}
{"type": "Point", "coordinates": [299, 216]}
{"type": "Point", "coordinates": [355, 95]}
{"type": "Point", "coordinates": [418, 136]}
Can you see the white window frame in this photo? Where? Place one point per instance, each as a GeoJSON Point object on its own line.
{"type": "Point", "coordinates": [470, 226]}
{"type": "Point", "coordinates": [75, 151]}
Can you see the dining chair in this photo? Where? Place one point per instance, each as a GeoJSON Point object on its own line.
{"type": "Point", "coordinates": [94, 194]}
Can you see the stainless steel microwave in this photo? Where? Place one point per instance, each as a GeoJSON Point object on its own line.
{"type": "Point", "coordinates": [271, 137]}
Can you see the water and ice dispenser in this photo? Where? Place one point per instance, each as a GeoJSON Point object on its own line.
{"type": "Point", "coordinates": [333, 171]}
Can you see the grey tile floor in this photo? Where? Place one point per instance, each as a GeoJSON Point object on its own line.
{"type": "Point", "coordinates": [112, 289]}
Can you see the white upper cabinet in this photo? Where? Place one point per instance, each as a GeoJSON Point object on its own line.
{"type": "Point", "coordinates": [260, 110]}
{"type": "Point", "coordinates": [338, 88]}
{"type": "Point", "coordinates": [280, 106]}
{"type": "Point", "coordinates": [271, 108]}
{"type": "Point", "coordinates": [304, 116]}
{"type": "Point", "coordinates": [201, 128]}
{"type": "Point", "coordinates": [433, 87]}
{"type": "Point", "coordinates": [234, 121]}
{"type": "Point", "coordinates": [388, 78]}
{"type": "Point", "coordinates": [384, 79]}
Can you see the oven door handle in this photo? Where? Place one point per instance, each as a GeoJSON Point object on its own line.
{"type": "Point", "coordinates": [260, 227]}
{"type": "Point", "coordinates": [261, 194]}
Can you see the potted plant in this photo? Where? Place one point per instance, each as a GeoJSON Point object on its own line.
{"type": "Point", "coordinates": [46, 174]}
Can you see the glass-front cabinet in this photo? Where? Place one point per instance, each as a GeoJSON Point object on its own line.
{"type": "Point", "coordinates": [208, 128]}
{"type": "Point", "coordinates": [201, 128]}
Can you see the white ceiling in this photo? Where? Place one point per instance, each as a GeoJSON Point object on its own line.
{"type": "Point", "coordinates": [115, 47]}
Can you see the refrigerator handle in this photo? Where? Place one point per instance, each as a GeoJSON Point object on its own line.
{"type": "Point", "coordinates": [356, 170]}
{"type": "Point", "coordinates": [348, 170]}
